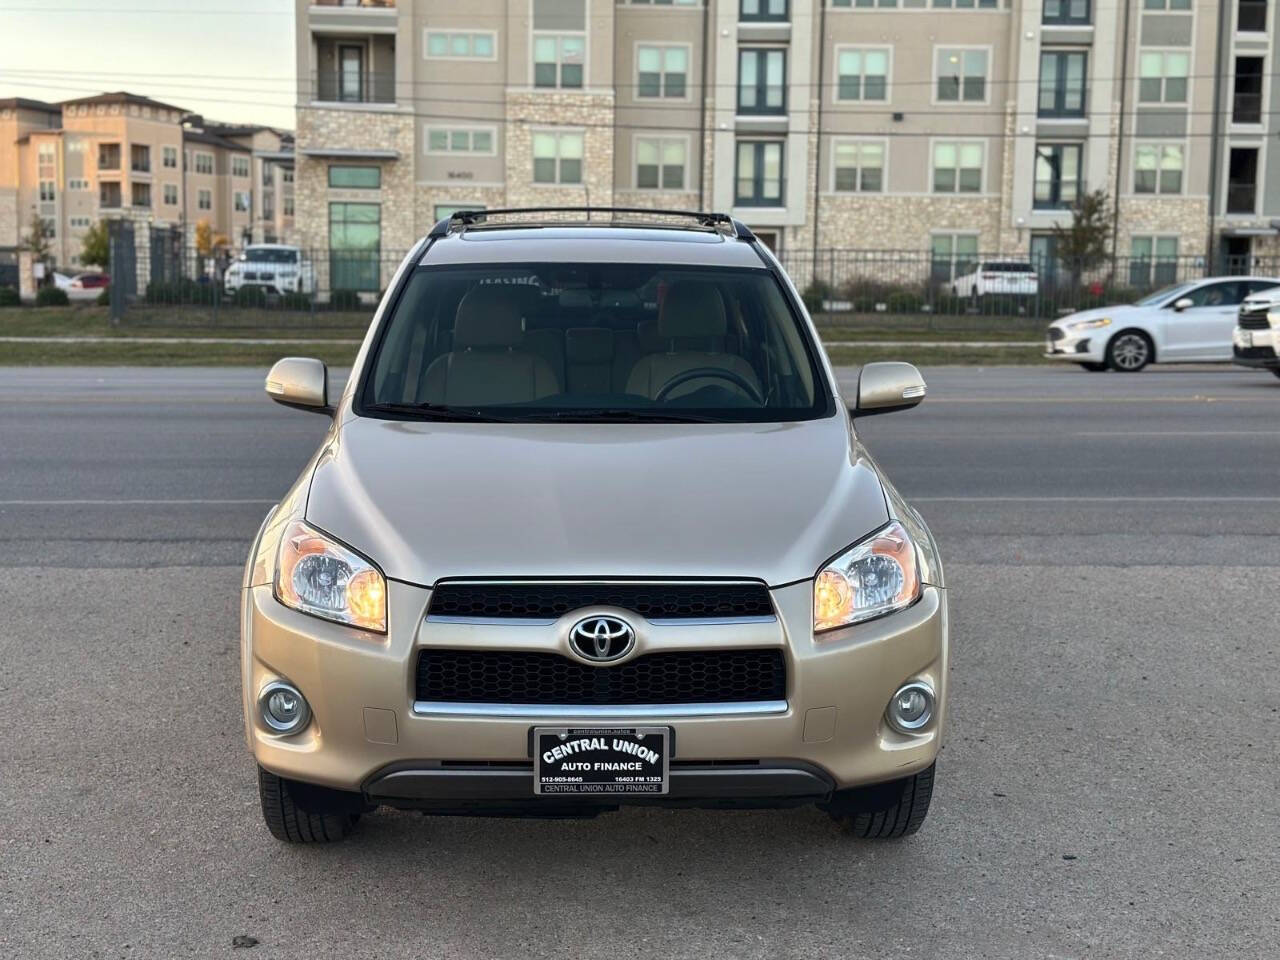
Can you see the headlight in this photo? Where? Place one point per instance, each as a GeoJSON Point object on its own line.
{"type": "Point", "coordinates": [1090, 324]}
{"type": "Point", "coordinates": [872, 578]}
{"type": "Point", "coordinates": [325, 579]}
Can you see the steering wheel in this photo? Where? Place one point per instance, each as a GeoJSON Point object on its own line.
{"type": "Point", "coordinates": [720, 373]}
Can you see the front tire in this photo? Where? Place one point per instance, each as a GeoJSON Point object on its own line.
{"type": "Point", "coordinates": [291, 823]}
{"type": "Point", "coordinates": [1129, 351]}
{"type": "Point", "coordinates": [885, 811]}
{"type": "Point", "coordinates": [1275, 371]}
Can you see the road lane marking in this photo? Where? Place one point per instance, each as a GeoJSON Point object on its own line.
{"type": "Point", "coordinates": [192, 502]}
{"type": "Point", "coordinates": [1226, 499]}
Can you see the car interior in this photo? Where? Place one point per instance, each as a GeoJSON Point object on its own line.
{"type": "Point", "coordinates": [607, 335]}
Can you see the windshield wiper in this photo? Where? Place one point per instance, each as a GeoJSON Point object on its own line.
{"type": "Point", "coordinates": [431, 411]}
{"type": "Point", "coordinates": [620, 415]}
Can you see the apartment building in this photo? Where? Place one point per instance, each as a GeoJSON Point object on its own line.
{"type": "Point", "coordinates": [121, 155]}
{"type": "Point", "coordinates": [951, 126]}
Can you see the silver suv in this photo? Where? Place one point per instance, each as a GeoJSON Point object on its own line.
{"type": "Point", "coordinates": [592, 526]}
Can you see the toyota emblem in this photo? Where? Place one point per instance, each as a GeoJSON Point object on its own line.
{"type": "Point", "coordinates": [602, 639]}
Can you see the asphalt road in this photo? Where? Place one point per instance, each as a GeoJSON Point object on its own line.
{"type": "Point", "coordinates": [1108, 788]}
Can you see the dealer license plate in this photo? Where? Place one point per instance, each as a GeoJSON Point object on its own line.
{"type": "Point", "coordinates": [601, 760]}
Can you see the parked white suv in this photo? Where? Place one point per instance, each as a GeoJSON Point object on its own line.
{"type": "Point", "coordinates": [1258, 332]}
{"type": "Point", "coordinates": [276, 267]}
{"type": "Point", "coordinates": [1002, 278]}
{"type": "Point", "coordinates": [1183, 323]}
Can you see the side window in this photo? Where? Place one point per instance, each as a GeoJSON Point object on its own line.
{"type": "Point", "coordinates": [1227, 293]}
{"type": "Point", "coordinates": [1257, 286]}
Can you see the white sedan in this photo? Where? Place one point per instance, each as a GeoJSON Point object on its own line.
{"type": "Point", "coordinates": [1184, 323]}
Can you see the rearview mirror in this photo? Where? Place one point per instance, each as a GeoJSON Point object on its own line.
{"type": "Point", "coordinates": [300, 382]}
{"type": "Point", "coordinates": [1182, 303]}
{"type": "Point", "coordinates": [886, 387]}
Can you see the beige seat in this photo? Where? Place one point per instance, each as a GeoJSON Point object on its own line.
{"type": "Point", "coordinates": [691, 310]}
{"type": "Point", "coordinates": [485, 367]}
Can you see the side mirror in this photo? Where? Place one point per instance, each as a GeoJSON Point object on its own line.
{"type": "Point", "coordinates": [1182, 304]}
{"type": "Point", "coordinates": [300, 382]}
{"type": "Point", "coordinates": [886, 387]}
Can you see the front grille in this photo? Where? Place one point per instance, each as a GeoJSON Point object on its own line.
{"type": "Point", "coordinates": [695, 676]}
{"type": "Point", "coordinates": [549, 601]}
{"type": "Point", "coordinates": [1056, 334]}
{"type": "Point", "coordinates": [1255, 353]}
{"type": "Point", "coordinates": [1254, 320]}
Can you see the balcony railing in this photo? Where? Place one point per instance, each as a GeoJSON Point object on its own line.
{"type": "Point", "coordinates": [346, 86]}
{"type": "Point", "coordinates": [354, 3]}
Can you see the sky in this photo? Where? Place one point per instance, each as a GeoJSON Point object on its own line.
{"type": "Point", "coordinates": [230, 60]}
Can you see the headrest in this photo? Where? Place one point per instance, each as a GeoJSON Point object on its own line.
{"type": "Point", "coordinates": [692, 308]}
{"type": "Point", "coordinates": [588, 345]}
{"type": "Point", "coordinates": [488, 316]}
{"type": "Point", "coordinates": [649, 338]}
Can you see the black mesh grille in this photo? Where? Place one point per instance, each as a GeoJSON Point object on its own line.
{"type": "Point", "coordinates": [1255, 353]}
{"type": "Point", "coordinates": [702, 676]}
{"type": "Point", "coordinates": [1254, 320]}
{"type": "Point", "coordinates": [1056, 334]}
{"type": "Point", "coordinates": [547, 601]}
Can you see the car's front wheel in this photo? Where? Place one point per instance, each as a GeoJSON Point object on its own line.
{"type": "Point", "coordinates": [1275, 371]}
{"type": "Point", "coordinates": [1129, 351]}
{"type": "Point", "coordinates": [292, 823]}
{"type": "Point", "coordinates": [884, 811]}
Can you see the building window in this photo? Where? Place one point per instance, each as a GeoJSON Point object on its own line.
{"type": "Point", "coordinates": [109, 195]}
{"type": "Point", "coordinates": [141, 194]}
{"type": "Point", "coordinates": [288, 206]}
{"type": "Point", "coordinates": [962, 75]}
{"type": "Point", "coordinates": [967, 4]}
{"type": "Point", "coordinates": [239, 166]}
{"type": "Point", "coordinates": [859, 166]}
{"type": "Point", "coordinates": [1166, 4]}
{"type": "Point", "coordinates": [78, 223]}
{"type": "Point", "coordinates": [762, 10]}
{"type": "Point", "coordinates": [661, 71]}
{"type": "Point", "coordinates": [558, 60]}
{"type": "Point", "coordinates": [48, 191]}
{"type": "Point", "coordinates": [762, 81]}
{"type": "Point", "coordinates": [243, 201]}
{"type": "Point", "coordinates": [1162, 76]}
{"type": "Point", "coordinates": [660, 163]}
{"type": "Point", "coordinates": [862, 74]}
{"type": "Point", "coordinates": [1246, 101]}
{"type": "Point", "coordinates": [957, 167]}
{"type": "Point", "coordinates": [77, 184]}
{"type": "Point", "coordinates": [1251, 16]}
{"type": "Point", "coordinates": [1157, 168]}
{"type": "Point", "coordinates": [47, 173]}
{"type": "Point", "coordinates": [444, 210]}
{"type": "Point", "coordinates": [952, 255]}
{"type": "Point", "coordinates": [286, 175]}
{"type": "Point", "coordinates": [1057, 175]}
{"type": "Point", "coordinates": [108, 156]}
{"type": "Point", "coordinates": [459, 45]}
{"type": "Point", "coordinates": [355, 178]}
{"type": "Point", "coordinates": [204, 199]}
{"type": "Point", "coordinates": [1153, 261]}
{"type": "Point", "coordinates": [557, 157]}
{"type": "Point", "coordinates": [759, 177]}
{"type": "Point", "coordinates": [1062, 83]}
{"type": "Point", "coordinates": [204, 162]}
{"type": "Point", "coordinates": [169, 157]}
{"type": "Point", "coordinates": [140, 158]}
{"type": "Point", "coordinates": [355, 245]}
{"type": "Point", "coordinates": [170, 194]}
{"type": "Point", "coordinates": [1242, 180]}
{"type": "Point", "coordinates": [460, 140]}
{"type": "Point", "coordinates": [864, 3]}
{"type": "Point", "coordinates": [1069, 12]}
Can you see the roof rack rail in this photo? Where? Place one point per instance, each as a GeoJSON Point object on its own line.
{"type": "Point", "coordinates": [461, 220]}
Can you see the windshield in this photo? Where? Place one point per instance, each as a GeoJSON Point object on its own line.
{"type": "Point", "coordinates": [594, 342]}
{"type": "Point", "coordinates": [1152, 299]}
{"type": "Point", "coordinates": [269, 255]}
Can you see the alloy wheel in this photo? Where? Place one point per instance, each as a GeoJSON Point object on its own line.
{"type": "Point", "coordinates": [1130, 352]}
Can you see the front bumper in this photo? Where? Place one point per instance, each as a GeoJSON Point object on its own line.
{"type": "Point", "coordinates": [1255, 348]}
{"type": "Point", "coordinates": [368, 736]}
{"type": "Point", "coordinates": [1083, 347]}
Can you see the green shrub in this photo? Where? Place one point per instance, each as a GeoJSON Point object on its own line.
{"type": "Point", "coordinates": [52, 297]}
{"type": "Point", "coordinates": [816, 293]}
{"type": "Point", "coordinates": [9, 297]}
{"type": "Point", "coordinates": [251, 296]}
{"type": "Point", "coordinates": [295, 301]}
{"type": "Point", "coordinates": [180, 292]}
{"type": "Point", "coordinates": [104, 298]}
{"type": "Point", "coordinates": [344, 300]}
{"type": "Point", "coordinates": [905, 301]}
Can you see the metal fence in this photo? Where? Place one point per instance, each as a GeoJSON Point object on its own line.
{"type": "Point", "coordinates": [157, 278]}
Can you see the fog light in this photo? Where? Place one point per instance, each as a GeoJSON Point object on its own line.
{"type": "Point", "coordinates": [283, 708]}
{"type": "Point", "coordinates": [911, 708]}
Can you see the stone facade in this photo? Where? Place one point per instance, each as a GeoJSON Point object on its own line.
{"type": "Point", "coordinates": [560, 112]}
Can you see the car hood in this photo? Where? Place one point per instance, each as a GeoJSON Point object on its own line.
{"type": "Point", "coordinates": [1116, 310]}
{"type": "Point", "coordinates": [427, 501]}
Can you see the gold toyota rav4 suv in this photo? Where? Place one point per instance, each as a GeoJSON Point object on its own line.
{"type": "Point", "coordinates": [592, 526]}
